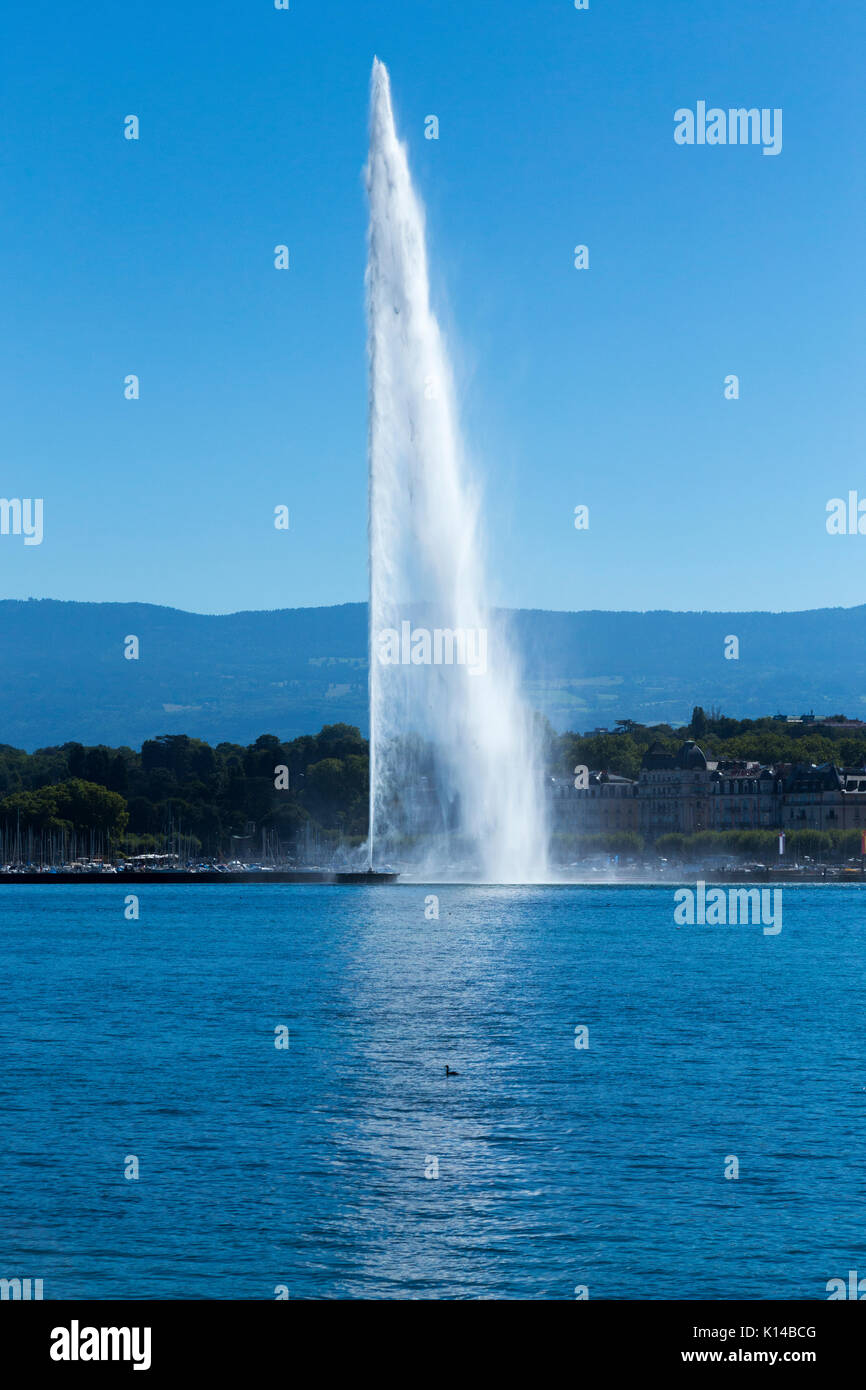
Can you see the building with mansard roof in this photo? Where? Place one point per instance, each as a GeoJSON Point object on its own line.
{"type": "Point", "coordinates": [685, 792]}
{"type": "Point", "coordinates": [824, 797]}
{"type": "Point", "coordinates": [673, 790]}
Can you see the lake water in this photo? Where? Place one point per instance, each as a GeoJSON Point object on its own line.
{"type": "Point", "coordinates": [557, 1166]}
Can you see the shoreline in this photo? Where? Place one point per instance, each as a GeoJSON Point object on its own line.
{"type": "Point", "coordinates": [191, 876]}
{"type": "Point", "coordinates": [781, 877]}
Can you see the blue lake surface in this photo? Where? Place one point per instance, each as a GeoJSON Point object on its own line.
{"type": "Point", "coordinates": [305, 1167]}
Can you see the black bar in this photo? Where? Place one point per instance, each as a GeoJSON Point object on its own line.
{"type": "Point", "coordinates": [223, 1338]}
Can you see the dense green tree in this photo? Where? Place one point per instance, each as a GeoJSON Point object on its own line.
{"type": "Point", "coordinates": [70, 805]}
{"type": "Point", "coordinates": [698, 725]}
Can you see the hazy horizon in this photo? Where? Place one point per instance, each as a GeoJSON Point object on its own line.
{"type": "Point", "coordinates": [346, 603]}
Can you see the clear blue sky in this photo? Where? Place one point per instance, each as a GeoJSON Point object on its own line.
{"type": "Point", "coordinates": [602, 387]}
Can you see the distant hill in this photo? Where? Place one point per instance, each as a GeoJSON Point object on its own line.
{"type": "Point", "coordinates": [63, 675]}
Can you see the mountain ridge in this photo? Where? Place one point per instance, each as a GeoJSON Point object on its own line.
{"type": "Point", "coordinates": [231, 677]}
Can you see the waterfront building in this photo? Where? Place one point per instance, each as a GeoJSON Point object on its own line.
{"type": "Point", "coordinates": [824, 797]}
{"type": "Point", "coordinates": [673, 790]}
{"type": "Point", "coordinates": [685, 792]}
{"type": "Point", "coordinates": [744, 796]}
{"type": "Point", "coordinates": [608, 803]}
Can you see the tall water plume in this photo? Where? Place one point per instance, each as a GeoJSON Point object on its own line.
{"type": "Point", "coordinates": [455, 780]}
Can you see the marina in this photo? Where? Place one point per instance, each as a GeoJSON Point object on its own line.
{"type": "Point", "coordinates": [110, 875]}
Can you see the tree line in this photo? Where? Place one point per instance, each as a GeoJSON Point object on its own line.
{"type": "Point", "coordinates": [209, 799]}
{"type": "Point", "coordinates": [765, 740]}
{"type": "Point", "coordinates": [212, 800]}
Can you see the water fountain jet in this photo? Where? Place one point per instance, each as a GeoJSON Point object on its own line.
{"type": "Point", "coordinates": [455, 777]}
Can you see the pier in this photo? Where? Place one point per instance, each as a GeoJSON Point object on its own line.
{"type": "Point", "coordinates": [109, 876]}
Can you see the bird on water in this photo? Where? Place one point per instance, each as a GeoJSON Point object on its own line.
{"type": "Point", "coordinates": [449, 1072]}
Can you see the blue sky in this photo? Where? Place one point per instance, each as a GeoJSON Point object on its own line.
{"type": "Point", "coordinates": [602, 387]}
